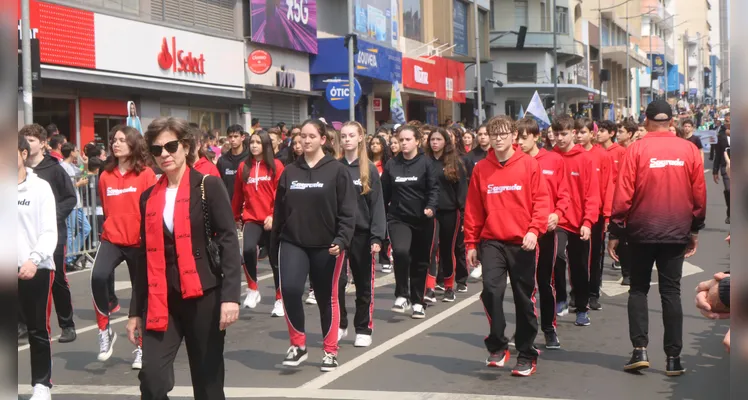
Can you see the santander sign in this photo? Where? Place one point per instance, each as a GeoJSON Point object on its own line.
{"type": "Point", "coordinates": [178, 60]}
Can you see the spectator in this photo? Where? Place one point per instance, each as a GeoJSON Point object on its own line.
{"type": "Point", "coordinates": [52, 130]}
{"type": "Point", "coordinates": [77, 223]}
{"type": "Point", "coordinates": [256, 124]}
{"type": "Point", "coordinates": [55, 146]}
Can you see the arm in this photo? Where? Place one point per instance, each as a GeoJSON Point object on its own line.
{"type": "Point", "coordinates": [591, 199]}
{"type": "Point", "coordinates": [279, 168]}
{"type": "Point", "coordinates": [698, 187]}
{"type": "Point", "coordinates": [237, 202]}
{"type": "Point", "coordinates": [279, 215]}
{"type": "Point", "coordinates": [540, 202]}
{"type": "Point", "coordinates": [347, 204]}
{"type": "Point", "coordinates": [462, 187]}
{"type": "Point", "coordinates": [624, 193]}
{"type": "Point", "coordinates": [719, 151]}
{"type": "Point", "coordinates": [386, 186]}
{"type": "Point", "coordinates": [378, 225]}
{"type": "Point", "coordinates": [47, 240]}
{"type": "Point", "coordinates": [68, 199]}
{"type": "Point", "coordinates": [563, 192]}
{"type": "Point", "coordinates": [224, 231]}
{"type": "Point", "coordinates": [475, 214]}
{"type": "Point", "coordinates": [607, 193]}
{"type": "Point", "coordinates": [140, 286]}
{"type": "Point", "coordinates": [432, 187]}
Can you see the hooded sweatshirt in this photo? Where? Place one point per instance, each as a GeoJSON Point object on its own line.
{"type": "Point", "coordinates": [603, 166]}
{"type": "Point", "coordinates": [51, 171]}
{"type": "Point", "coordinates": [36, 220]}
{"type": "Point", "coordinates": [227, 166]}
{"type": "Point", "coordinates": [206, 167]}
{"type": "Point", "coordinates": [120, 199]}
{"type": "Point", "coordinates": [451, 194]}
{"type": "Point", "coordinates": [409, 187]}
{"type": "Point", "coordinates": [254, 192]}
{"type": "Point", "coordinates": [584, 190]}
{"type": "Point", "coordinates": [554, 172]}
{"type": "Point", "coordinates": [370, 217]}
{"type": "Point", "coordinates": [507, 202]}
{"type": "Point", "coordinates": [315, 206]}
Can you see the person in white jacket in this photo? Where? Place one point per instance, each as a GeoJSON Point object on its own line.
{"type": "Point", "coordinates": [37, 239]}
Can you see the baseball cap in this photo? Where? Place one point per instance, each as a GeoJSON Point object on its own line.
{"type": "Point", "coordinates": [659, 110]}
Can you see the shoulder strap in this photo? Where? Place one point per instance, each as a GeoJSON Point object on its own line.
{"type": "Point", "coordinates": [206, 216]}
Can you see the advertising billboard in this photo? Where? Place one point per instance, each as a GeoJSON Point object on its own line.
{"type": "Point", "coordinates": [460, 27]}
{"type": "Point", "coordinates": [291, 24]}
{"type": "Point", "coordinates": [373, 21]}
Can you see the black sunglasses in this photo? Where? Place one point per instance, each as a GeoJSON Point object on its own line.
{"type": "Point", "coordinates": [170, 147]}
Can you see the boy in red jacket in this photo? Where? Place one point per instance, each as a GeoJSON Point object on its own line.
{"type": "Point", "coordinates": [553, 243]}
{"type": "Point", "coordinates": [583, 212]}
{"type": "Point", "coordinates": [506, 211]}
{"type": "Point", "coordinates": [624, 133]}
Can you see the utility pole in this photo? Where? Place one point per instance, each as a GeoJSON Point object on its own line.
{"type": "Point", "coordinates": [600, 57]}
{"type": "Point", "coordinates": [651, 62]}
{"type": "Point", "coordinates": [351, 79]}
{"type": "Point", "coordinates": [628, 68]}
{"type": "Point", "coordinates": [28, 97]}
{"type": "Point", "coordinates": [555, 62]}
{"type": "Point", "coordinates": [478, 83]}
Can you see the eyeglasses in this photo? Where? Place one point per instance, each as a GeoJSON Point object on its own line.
{"type": "Point", "coordinates": [502, 135]}
{"type": "Point", "coordinates": [171, 148]}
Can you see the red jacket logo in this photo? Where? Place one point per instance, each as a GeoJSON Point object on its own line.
{"type": "Point", "coordinates": [178, 61]}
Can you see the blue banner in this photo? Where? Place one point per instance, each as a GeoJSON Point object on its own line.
{"type": "Point", "coordinates": [659, 64]}
{"type": "Point", "coordinates": [460, 27]}
{"type": "Point", "coordinates": [372, 61]}
{"type": "Point", "coordinates": [672, 78]}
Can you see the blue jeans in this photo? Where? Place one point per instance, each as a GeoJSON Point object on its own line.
{"type": "Point", "coordinates": [78, 230]}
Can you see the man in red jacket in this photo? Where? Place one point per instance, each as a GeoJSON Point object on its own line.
{"type": "Point", "coordinates": [659, 207]}
{"type": "Point", "coordinates": [583, 212]}
{"type": "Point", "coordinates": [506, 211]}
{"type": "Point", "coordinates": [553, 243]}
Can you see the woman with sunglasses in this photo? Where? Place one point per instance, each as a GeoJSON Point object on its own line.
{"type": "Point", "coordinates": [181, 291]}
{"type": "Point", "coordinates": [254, 197]}
{"type": "Point", "coordinates": [123, 179]}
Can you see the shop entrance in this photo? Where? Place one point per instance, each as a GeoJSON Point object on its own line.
{"type": "Point", "coordinates": [60, 112]}
{"type": "Point", "coordinates": [103, 124]}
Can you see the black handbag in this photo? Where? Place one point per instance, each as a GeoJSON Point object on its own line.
{"type": "Point", "coordinates": [214, 250]}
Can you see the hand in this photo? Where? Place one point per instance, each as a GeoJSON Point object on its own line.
{"type": "Point", "coordinates": [585, 233]}
{"type": "Point", "coordinates": [472, 258]}
{"type": "Point", "coordinates": [552, 221]}
{"type": "Point", "coordinates": [727, 239]}
{"type": "Point", "coordinates": [607, 223]}
{"type": "Point", "coordinates": [375, 248]}
{"type": "Point", "coordinates": [229, 314]}
{"type": "Point", "coordinates": [429, 212]}
{"type": "Point", "coordinates": [334, 250]}
{"type": "Point", "coordinates": [134, 329]}
{"type": "Point", "coordinates": [726, 341]}
{"type": "Point", "coordinates": [268, 223]}
{"type": "Point", "coordinates": [239, 225]}
{"type": "Point", "coordinates": [691, 248]}
{"type": "Point", "coordinates": [612, 245]}
{"type": "Point", "coordinates": [27, 271]}
{"type": "Point", "coordinates": [82, 182]}
{"type": "Point", "coordinates": [716, 179]}
{"type": "Point", "coordinates": [530, 241]}
{"type": "Point", "coordinates": [707, 298]}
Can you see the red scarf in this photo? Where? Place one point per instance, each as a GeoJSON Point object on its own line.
{"type": "Point", "coordinates": [158, 308]}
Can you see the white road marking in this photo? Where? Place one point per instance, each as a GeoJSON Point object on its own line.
{"type": "Point", "coordinates": [122, 285]}
{"type": "Point", "coordinates": [326, 379]}
{"type": "Point", "coordinates": [289, 393]}
{"type": "Point", "coordinates": [614, 288]}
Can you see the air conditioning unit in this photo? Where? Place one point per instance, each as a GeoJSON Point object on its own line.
{"type": "Point", "coordinates": [431, 51]}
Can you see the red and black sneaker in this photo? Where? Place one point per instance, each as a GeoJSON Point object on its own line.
{"type": "Point", "coordinates": [524, 367]}
{"type": "Point", "coordinates": [497, 360]}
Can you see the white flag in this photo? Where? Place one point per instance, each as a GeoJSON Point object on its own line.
{"type": "Point", "coordinates": [396, 104]}
{"type": "Point", "coordinates": [536, 109]}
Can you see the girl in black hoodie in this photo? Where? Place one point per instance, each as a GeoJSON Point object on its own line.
{"type": "Point", "coordinates": [313, 223]}
{"type": "Point", "coordinates": [411, 189]}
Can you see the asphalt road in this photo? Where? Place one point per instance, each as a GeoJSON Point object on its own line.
{"type": "Point", "coordinates": [441, 357]}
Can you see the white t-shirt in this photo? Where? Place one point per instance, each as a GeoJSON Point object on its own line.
{"type": "Point", "coordinates": [171, 198]}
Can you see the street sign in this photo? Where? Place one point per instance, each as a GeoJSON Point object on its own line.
{"type": "Point", "coordinates": [337, 94]}
{"type": "Point", "coordinates": [590, 96]}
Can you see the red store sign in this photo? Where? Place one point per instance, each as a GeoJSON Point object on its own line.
{"type": "Point", "coordinates": [259, 62]}
{"type": "Point", "coordinates": [178, 61]}
{"type": "Point", "coordinates": [442, 76]}
{"type": "Point", "coordinates": [421, 74]}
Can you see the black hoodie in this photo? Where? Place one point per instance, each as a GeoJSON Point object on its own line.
{"type": "Point", "coordinates": [452, 195]}
{"type": "Point", "coordinates": [227, 166]}
{"type": "Point", "coordinates": [51, 171]}
{"type": "Point", "coordinates": [370, 216]}
{"type": "Point", "coordinates": [314, 207]}
{"type": "Point", "coordinates": [409, 187]}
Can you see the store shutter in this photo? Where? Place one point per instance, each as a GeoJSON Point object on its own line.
{"type": "Point", "coordinates": [273, 108]}
{"type": "Point", "coordinates": [213, 14]}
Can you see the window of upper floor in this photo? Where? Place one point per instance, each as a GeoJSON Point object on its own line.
{"type": "Point", "coordinates": [412, 20]}
{"type": "Point", "coordinates": [216, 15]}
{"type": "Point", "coordinates": [120, 6]}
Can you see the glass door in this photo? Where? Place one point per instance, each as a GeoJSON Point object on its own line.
{"type": "Point", "coordinates": [103, 124]}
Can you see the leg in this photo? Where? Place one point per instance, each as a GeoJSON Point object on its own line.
{"type": "Point", "coordinates": [342, 284]}
{"type": "Point", "coordinates": [546, 262]}
{"type": "Point", "coordinates": [362, 267]}
{"type": "Point", "coordinates": [273, 260]}
{"type": "Point", "coordinates": [421, 248]}
{"type": "Point", "coordinates": [597, 241]}
{"type": "Point", "coordinates": [522, 267]}
{"type": "Point", "coordinates": [293, 268]}
{"type": "Point", "coordinates": [252, 235]}
{"type": "Point", "coordinates": [204, 341]}
{"type": "Point", "coordinates": [643, 258]}
{"type": "Point", "coordinates": [325, 273]}
{"type": "Point", "coordinates": [160, 349]}
{"type": "Point", "coordinates": [726, 181]}
{"type": "Point", "coordinates": [107, 258]}
{"type": "Point", "coordinates": [579, 263]}
{"type": "Point", "coordinates": [400, 238]}
{"type": "Point", "coordinates": [36, 305]}
{"type": "Point", "coordinates": [559, 270]}
{"type": "Point", "coordinates": [624, 255]}
{"type": "Point", "coordinates": [448, 229]}
{"type": "Point", "coordinates": [669, 272]}
{"type": "Point", "coordinates": [494, 261]}
{"type": "Point", "coordinates": [461, 269]}
{"type": "Point", "coordinates": [61, 290]}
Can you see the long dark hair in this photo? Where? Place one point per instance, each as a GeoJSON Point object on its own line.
{"type": "Point", "coordinates": [452, 162]}
{"type": "Point", "coordinates": [267, 154]}
{"type": "Point", "coordinates": [291, 155]}
{"type": "Point", "coordinates": [138, 152]}
{"type": "Point", "coordinates": [459, 145]}
{"type": "Point", "coordinates": [385, 149]}
{"type": "Point", "coordinates": [327, 147]}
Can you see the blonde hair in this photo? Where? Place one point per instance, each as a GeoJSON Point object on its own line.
{"type": "Point", "coordinates": [363, 156]}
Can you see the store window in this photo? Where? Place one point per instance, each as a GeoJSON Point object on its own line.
{"type": "Point", "coordinates": [412, 19]}
{"type": "Point", "coordinates": [60, 112]}
{"type": "Point", "coordinates": [103, 124]}
{"type": "Point", "coordinates": [208, 120]}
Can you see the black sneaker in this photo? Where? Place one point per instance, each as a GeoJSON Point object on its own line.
{"type": "Point", "coordinates": [626, 281]}
{"type": "Point", "coordinates": [673, 367]}
{"type": "Point", "coordinates": [329, 362]}
{"type": "Point", "coordinates": [68, 335]}
{"type": "Point", "coordinates": [439, 287]}
{"type": "Point", "coordinates": [449, 296]}
{"type": "Point", "coordinates": [524, 367]}
{"type": "Point", "coordinates": [595, 304]}
{"type": "Point", "coordinates": [430, 296]}
{"type": "Point", "coordinates": [461, 288]}
{"type": "Point", "coordinates": [498, 359]}
{"type": "Point", "coordinates": [551, 341]}
{"type": "Point", "coordinates": [263, 253]}
{"type": "Point", "coordinates": [639, 361]}
{"type": "Point", "coordinates": [727, 220]}
{"type": "Point", "coordinates": [295, 356]}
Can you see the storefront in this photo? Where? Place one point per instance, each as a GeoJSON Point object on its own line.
{"type": "Point", "coordinates": [94, 64]}
{"type": "Point", "coordinates": [433, 88]}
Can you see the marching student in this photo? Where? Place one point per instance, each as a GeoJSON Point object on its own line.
{"type": "Point", "coordinates": [124, 179]}
{"type": "Point", "coordinates": [313, 224]}
{"type": "Point", "coordinates": [553, 243]}
{"type": "Point", "coordinates": [506, 211]}
{"type": "Point", "coordinates": [394, 146]}
{"type": "Point", "coordinates": [295, 148]}
{"type": "Point", "coordinates": [452, 179]}
{"type": "Point", "coordinates": [583, 212]}
{"type": "Point", "coordinates": [37, 239]}
{"type": "Point", "coordinates": [253, 201]}
{"type": "Point", "coordinates": [228, 164]}
{"type": "Point", "coordinates": [371, 226]}
{"type": "Point", "coordinates": [411, 194]}
{"type": "Point", "coordinates": [203, 164]}
{"type": "Point", "coordinates": [379, 154]}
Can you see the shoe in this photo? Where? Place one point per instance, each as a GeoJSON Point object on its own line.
{"type": "Point", "coordinates": [439, 287]}
{"type": "Point", "coordinates": [311, 299]}
{"type": "Point", "coordinates": [22, 331]}
{"type": "Point", "coordinates": [263, 254]}
{"type": "Point", "coordinates": [41, 392]}
{"type": "Point", "coordinates": [449, 296]}
{"type": "Point", "coordinates": [106, 344]}
{"type": "Point", "coordinates": [562, 308]}
{"type": "Point", "coordinates": [329, 362]}
{"type": "Point", "coordinates": [616, 265]}
{"type": "Point", "coordinates": [114, 306]}
{"type": "Point", "coordinates": [572, 303]}
{"type": "Point", "coordinates": [595, 304]}
{"type": "Point", "coordinates": [418, 312]}
{"type": "Point", "coordinates": [497, 360]}
{"type": "Point", "coordinates": [401, 305]}
{"type": "Point", "coordinates": [429, 296]}
{"type": "Point", "coordinates": [362, 340]}
{"type": "Point", "coordinates": [583, 319]}
{"type": "Point", "coordinates": [68, 335]}
{"type": "Point", "coordinates": [137, 363]}
{"type": "Point", "coordinates": [295, 356]}
{"type": "Point", "coordinates": [387, 268]}
{"type": "Point", "coordinates": [278, 310]}
{"type": "Point", "coordinates": [461, 288]}
{"type": "Point", "coordinates": [342, 333]}
{"type": "Point", "coordinates": [639, 360]}
{"type": "Point", "coordinates": [477, 272]}
{"type": "Point", "coordinates": [524, 367]}
{"type": "Point", "coordinates": [727, 220]}
{"type": "Point", "coordinates": [511, 341]}
{"type": "Point", "coordinates": [673, 367]}
{"type": "Point", "coordinates": [626, 281]}
{"type": "Point", "coordinates": [551, 341]}
{"type": "Point", "coordinates": [252, 299]}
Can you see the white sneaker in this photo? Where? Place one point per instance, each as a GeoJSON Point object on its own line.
{"type": "Point", "coordinates": [106, 344]}
{"type": "Point", "coordinates": [253, 297]}
{"type": "Point", "coordinates": [418, 312]}
{"type": "Point", "coordinates": [41, 392]}
{"type": "Point", "coordinates": [401, 305]}
{"type": "Point", "coordinates": [386, 268]}
{"type": "Point", "coordinates": [477, 272]}
{"type": "Point", "coordinates": [342, 334]}
{"type": "Point", "coordinates": [278, 309]}
{"type": "Point", "coordinates": [137, 363]}
{"type": "Point", "coordinates": [362, 340]}
{"type": "Point", "coordinates": [311, 299]}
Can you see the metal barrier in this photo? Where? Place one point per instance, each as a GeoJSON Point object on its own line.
{"type": "Point", "coordinates": [84, 225]}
